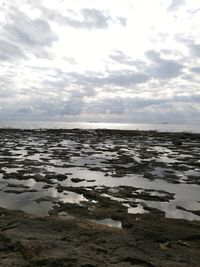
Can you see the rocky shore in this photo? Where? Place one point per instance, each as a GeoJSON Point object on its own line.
{"type": "Point", "coordinates": [146, 240]}
{"type": "Point", "coordinates": [99, 198]}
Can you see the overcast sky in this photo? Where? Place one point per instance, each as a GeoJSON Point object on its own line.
{"type": "Point", "coordinates": [103, 60]}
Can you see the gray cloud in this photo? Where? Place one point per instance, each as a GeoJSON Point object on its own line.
{"type": "Point", "coordinates": [194, 98]}
{"type": "Point", "coordinates": [33, 36]}
{"type": "Point", "coordinates": [51, 106]}
{"type": "Point", "coordinates": [166, 69]}
{"type": "Point", "coordinates": [163, 68]}
{"type": "Point", "coordinates": [175, 4]}
{"type": "Point", "coordinates": [193, 46]}
{"type": "Point", "coordinates": [73, 106]}
{"type": "Point", "coordinates": [125, 78]}
{"type": "Point", "coordinates": [153, 55]}
{"type": "Point", "coordinates": [70, 60]}
{"type": "Point", "coordinates": [9, 51]}
{"type": "Point", "coordinates": [93, 18]}
{"type": "Point", "coordinates": [24, 110]}
{"type": "Point", "coordinates": [122, 21]}
{"type": "Point", "coordinates": [4, 92]}
{"type": "Point", "coordinates": [121, 78]}
{"type": "Point", "coordinates": [146, 109]}
{"type": "Point", "coordinates": [138, 102]}
{"type": "Point", "coordinates": [88, 18]}
{"type": "Point", "coordinates": [106, 106]}
{"type": "Point", "coordinates": [195, 49]}
{"type": "Point", "coordinates": [195, 69]}
{"type": "Point", "coordinates": [159, 68]}
{"type": "Point", "coordinates": [122, 58]}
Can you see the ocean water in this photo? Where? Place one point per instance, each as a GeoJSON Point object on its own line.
{"type": "Point", "coordinates": [194, 128]}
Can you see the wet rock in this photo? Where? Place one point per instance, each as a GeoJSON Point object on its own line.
{"type": "Point", "coordinates": [77, 180]}
{"type": "Point", "coordinates": [61, 177]}
{"type": "Point", "coordinates": [20, 192]}
{"type": "Point", "coordinates": [47, 186]}
{"type": "Point", "coordinates": [5, 244]}
{"type": "Point", "coordinates": [41, 199]}
{"type": "Point", "coordinates": [196, 212]}
{"type": "Point", "coordinates": [177, 142]}
{"type": "Point", "coordinates": [154, 210]}
{"type": "Point", "coordinates": [18, 185]}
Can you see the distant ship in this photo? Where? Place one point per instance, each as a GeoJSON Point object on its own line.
{"type": "Point", "coordinates": [164, 122]}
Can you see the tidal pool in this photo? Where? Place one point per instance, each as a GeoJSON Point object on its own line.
{"type": "Point", "coordinates": [32, 164]}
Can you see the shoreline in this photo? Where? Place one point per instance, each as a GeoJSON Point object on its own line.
{"type": "Point", "coordinates": [88, 125]}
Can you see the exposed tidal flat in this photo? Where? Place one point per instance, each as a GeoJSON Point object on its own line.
{"type": "Point", "coordinates": [73, 197]}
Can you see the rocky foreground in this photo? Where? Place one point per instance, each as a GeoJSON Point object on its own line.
{"type": "Point", "coordinates": [99, 198]}
{"type": "Point", "coordinates": [146, 240]}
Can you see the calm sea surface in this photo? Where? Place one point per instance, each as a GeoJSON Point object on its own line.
{"type": "Point", "coordinates": [195, 128]}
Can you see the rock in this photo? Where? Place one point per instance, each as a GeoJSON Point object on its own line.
{"type": "Point", "coordinates": [61, 177]}
{"type": "Point", "coordinates": [177, 142]}
{"type": "Point", "coordinates": [77, 180]}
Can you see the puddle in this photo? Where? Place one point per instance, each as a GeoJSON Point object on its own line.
{"type": "Point", "coordinates": [139, 209]}
{"type": "Point", "coordinates": [11, 170]}
{"type": "Point", "coordinates": [70, 197]}
{"type": "Point", "coordinates": [172, 212]}
{"type": "Point", "coordinates": [108, 222]}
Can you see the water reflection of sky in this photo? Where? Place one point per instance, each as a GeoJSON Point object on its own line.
{"type": "Point", "coordinates": [186, 195]}
{"type": "Point", "coordinates": [37, 156]}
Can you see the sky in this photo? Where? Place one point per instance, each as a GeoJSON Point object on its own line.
{"type": "Point", "coordinates": [100, 60]}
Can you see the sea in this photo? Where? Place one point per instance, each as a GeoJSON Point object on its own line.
{"type": "Point", "coordinates": [162, 127]}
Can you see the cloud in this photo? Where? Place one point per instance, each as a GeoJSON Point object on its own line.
{"type": "Point", "coordinates": [121, 78]}
{"type": "Point", "coordinates": [119, 57]}
{"type": "Point", "coordinates": [173, 109]}
{"type": "Point", "coordinates": [4, 92]}
{"type": "Point", "coordinates": [73, 106]}
{"type": "Point", "coordinates": [195, 69]}
{"type": "Point", "coordinates": [87, 18]}
{"type": "Point", "coordinates": [190, 42]}
{"type": "Point", "coordinates": [166, 69]}
{"type": "Point", "coordinates": [51, 106]}
{"type": "Point", "coordinates": [195, 49]}
{"type": "Point", "coordinates": [175, 4]}
{"type": "Point", "coordinates": [194, 98]}
{"type": "Point", "coordinates": [70, 60]}
{"type": "Point", "coordinates": [163, 68]}
{"type": "Point", "coordinates": [24, 110]}
{"type": "Point", "coordinates": [32, 35]}
{"type": "Point", "coordinates": [9, 51]}
{"type": "Point", "coordinates": [157, 68]}
{"type": "Point", "coordinates": [93, 18]}
{"type": "Point", "coordinates": [140, 103]}
{"type": "Point", "coordinates": [125, 78]}
{"type": "Point", "coordinates": [122, 21]}
{"type": "Point", "coordinates": [106, 106]}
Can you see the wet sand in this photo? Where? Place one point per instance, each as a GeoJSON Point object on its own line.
{"type": "Point", "coordinates": [131, 196]}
